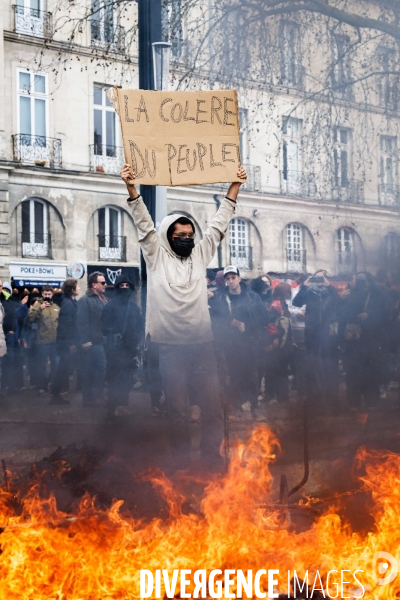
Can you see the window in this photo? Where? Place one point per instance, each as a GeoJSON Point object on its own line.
{"type": "Point", "coordinates": [387, 164]}
{"type": "Point", "coordinates": [243, 134]}
{"type": "Point", "coordinates": [346, 255]}
{"type": "Point", "coordinates": [388, 82]}
{"type": "Point", "coordinates": [35, 236]}
{"type": "Point", "coordinates": [341, 154]}
{"type": "Point", "coordinates": [102, 23]}
{"type": "Point", "coordinates": [295, 252]}
{"type": "Point", "coordinates": [30, 18]}
{"type": "Point", "coordinates": [241, 255]}
{"type": "Point", "coordinates": [104, 123]}
{"type": "Point", "coordinates": [290, 54]}
{"type": "Point", "coordinates": [32, 108]}
{"type": "Point", "coordinates": [291, 158]}
{"type": "Point", "coordinates": [111, 243]}
{"type": "Point", "coordinates": [172, 30]}
{"type": "Point", "coordinates": [392, 253]}
{"type": "Point", "coordinates": [341, 74]}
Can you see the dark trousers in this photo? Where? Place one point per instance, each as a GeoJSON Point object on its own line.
{"type": "Point", "coordinates": [120, 372]}
{"type": "Point", "coordinates": [153, 375]}
{"type": "Point", "coordinates": [45, 351]}
{"type": "Point", "coordinates": [242, 363]}
{"type": "Point", "coordinates": [184, 368]}
{"type": "Point", "coordinates": [12, 364]}
{"type": "Point", "coordinates": [363, 372]}
{"type": "Point", "coordinates": [94, 372]}
{"type": "Point", "coordinates": [276, 374]}
{"type": "Point", "coordinates": [64, 370]}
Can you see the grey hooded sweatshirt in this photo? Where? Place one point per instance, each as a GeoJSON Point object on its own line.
{"type": "Point", "coordinates": [177, 307]}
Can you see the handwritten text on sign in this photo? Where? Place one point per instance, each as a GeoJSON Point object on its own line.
{"type": "Point", "coordinates": [179, 138]}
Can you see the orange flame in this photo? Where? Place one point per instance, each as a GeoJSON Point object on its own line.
{"type": "Point", "coordinates": [97, 555]}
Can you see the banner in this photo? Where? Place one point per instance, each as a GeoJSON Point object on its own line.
{"type": "Point", "coordinates": [179, 138]}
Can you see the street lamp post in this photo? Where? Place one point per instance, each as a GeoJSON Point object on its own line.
{"type": "Point", "coordinates": [149, 27]}
{"type": "Point", "coordinates": [161, 58]}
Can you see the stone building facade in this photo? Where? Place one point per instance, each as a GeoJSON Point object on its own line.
{"type": "Point", "coordinates": [62, 202]}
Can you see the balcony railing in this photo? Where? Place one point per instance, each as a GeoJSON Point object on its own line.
{"type": "Point", "coordinates": [353, 192]}
{"type": "Point", "coordinates": [241, 257]}
{"type": "Point", "coordinates": [389, 194]}
{"type": "Point", "coordinates": [112, 247]}
{"type": "Point", "coordinates": [347, 262]}
{"type": "Point", "coordinates": [36, 245]}
{"type": "Point", "coordinates": [30, 21]}
{"type": "Point", "coordinates": [106, 159]}
{"type": "Point", "coordinates": [37, 150]}
{"type": "Point", "coordinates": [107, 36]}
{"type": "Point", "coordinates": [296, 183]}
{"type": "Point", "coordinates": [296, 260]}
{"type": "Point", "coordinates": [253, 183]}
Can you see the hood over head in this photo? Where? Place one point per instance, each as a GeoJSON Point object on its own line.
{"type": "Point", "coordinates": [162, 232]}
{"type": "Point", "coordinates": [124, 279]}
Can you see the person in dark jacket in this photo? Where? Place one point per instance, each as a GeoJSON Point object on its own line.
{"type": "Point", "coordinates": [90, 335]}
{"type": "Point", "coordinates": [123, 329]}
{"type": "Point", "coordinates": [10, 378]}
{"type": "Point", "coordinates": [321, 338]}
{"type": "Point", "coordinates": [278, 345]}
{"type": "Point", "coordinates": [67, 340]}
{"type": "Point", "coordinates": [247, 317]}
{"type": "Point", "coordinates": [361, 330]}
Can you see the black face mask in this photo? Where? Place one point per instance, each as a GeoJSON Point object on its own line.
{"type": "Point", "coordinates": [361, 284]}
{"type": "Point", "coordinates": [124, 292]}
{"type": "Point", "coordinates": [182, 247]}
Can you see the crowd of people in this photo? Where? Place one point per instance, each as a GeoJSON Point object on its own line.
{"type": "Point", "coordinates": [270, 337]}
{"type": "Point", "coordinates": [211, 340]}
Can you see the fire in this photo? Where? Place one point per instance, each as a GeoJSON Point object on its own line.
{"type": "Point", "coordinates": [97, 555]}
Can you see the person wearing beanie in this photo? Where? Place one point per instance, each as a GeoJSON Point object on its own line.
{"type": "Point", "coordinates": [123, 328]}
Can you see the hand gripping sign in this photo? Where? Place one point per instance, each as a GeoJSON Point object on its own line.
{"type": "Point", "coordinates": [179, 138]}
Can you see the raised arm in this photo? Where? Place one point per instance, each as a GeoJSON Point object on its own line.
{"type": "Point", "coordinates": [217, 229]}
{"type": "Point", "coordinates": [148, 237]}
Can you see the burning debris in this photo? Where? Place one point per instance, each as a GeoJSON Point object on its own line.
{"type": "Point", "coordinates": [94, 552]}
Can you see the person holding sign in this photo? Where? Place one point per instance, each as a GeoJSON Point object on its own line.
{"type": "Point", "coordinates": [177, 316]}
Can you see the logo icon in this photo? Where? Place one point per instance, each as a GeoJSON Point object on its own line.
{"type": "Point", "coordinates": [386, 560]}
{"type": "Point", "coordinates": [112, 275]}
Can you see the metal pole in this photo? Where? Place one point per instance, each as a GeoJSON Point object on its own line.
{"type": "Point", "coordinates": [149, 25]}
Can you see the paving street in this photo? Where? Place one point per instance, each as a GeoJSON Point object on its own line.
{"type": "Point", "coordinates": [31, 429]}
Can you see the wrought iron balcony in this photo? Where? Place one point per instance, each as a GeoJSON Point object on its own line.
{"type": "Point", "coordinates": [107, 36]}
{"type": "Point", "coordinates": [30, 21]}
{"type": "Point", "coordinates": [346, 262]}
{"type": "Point", "coordinates": [297, 183]}
{"type": "Point", "coordinates": [106, 159]}
{"type": "Point", "coordinates": [36, 245]}
{"type": "Point", "coordinates": [241, 257]}
{"type": "Point", "coordinates": [253, 183]}
{"type": "Point", "coordinates": [37, 150]}
{"type": "Point", "coordinates": [112, 247]}
{"type": "Point", "coordinates": [353, 192]}
{"type": "Point", "coordinates": [389, 194]}
{"type": "Point", "coordinates": [296, 260]}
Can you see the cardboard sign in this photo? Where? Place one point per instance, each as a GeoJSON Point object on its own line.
{"type": "Point", "coordinates": [179, 138]}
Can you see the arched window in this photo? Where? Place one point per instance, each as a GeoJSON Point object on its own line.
{"type": "Point", "coordinates": [392, 253]}
{"type": "Point", "coordinates": [240, 249]}
{"type": "Point", "coordinates": [112, 245]}
{"type": "Point", "coordinates": [295, 251]}
{"type": "Point", "coordinates": [36, 240]}
{"type": "Point", "coordinates": [347, 257]}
